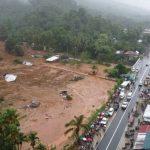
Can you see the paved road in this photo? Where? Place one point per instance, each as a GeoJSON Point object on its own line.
{"type": "Point", "coordinates": [114, 133]}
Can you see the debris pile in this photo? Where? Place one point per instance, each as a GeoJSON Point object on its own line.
{"type": "Point", "coordinates": [33, 104]}
{"type": "Point", "coordinates": [27, 63]}
{"type": "Point", "coordinates": [65, 95]}
{"type": "Point", "coordinates": [77, 78]}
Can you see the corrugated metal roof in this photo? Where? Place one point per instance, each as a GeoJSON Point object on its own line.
{"type": "Point", "coordinates": [139, 142]}
{"type": "Point", "coordinates": [144, 128]}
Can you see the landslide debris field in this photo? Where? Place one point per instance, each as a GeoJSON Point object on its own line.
{"type": "Point", "coordinates": [42, 83]}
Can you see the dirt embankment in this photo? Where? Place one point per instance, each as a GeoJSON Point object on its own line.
{"type": "Point", "coordinates": [43, 82]}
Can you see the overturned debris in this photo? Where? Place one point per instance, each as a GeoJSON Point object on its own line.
{"type": "Point", "coordinates": [35, 104]}
{"type": "Point", "coordinates": [53, 58]}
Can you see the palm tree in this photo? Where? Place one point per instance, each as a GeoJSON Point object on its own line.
{"type": "Point", "coordinates": [33, 139]}
{"type": "Point", "coordinates": [20, 139]}
{"type": "Point", "coordinates": [69, 147]}
{"type": "Point", "coordinates": [75, 127]}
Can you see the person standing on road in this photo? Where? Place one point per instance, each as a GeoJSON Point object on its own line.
{"type": "Point", "coordinates": [128, 114]}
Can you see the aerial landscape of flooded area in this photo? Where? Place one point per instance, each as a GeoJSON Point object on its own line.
{"type": "Point", "coordinates": [74, 75]}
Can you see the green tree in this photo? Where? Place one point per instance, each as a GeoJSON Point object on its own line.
{"type": "Point", "coordinates": [102, 40]}
{"type": "Point", "coordinates": [11, 138]}
{"type": "Point", "coordinates": [75, 126]}
{"type": "Point", "coordinates": [13, 47]}
{"type": "Point", "coordinates": [117, 71]}
{"type": "Point", "coordinates": [10, 44]}
{"type": "Point", "coordinates": [33, 139]}
{"type": "Point", "coordinates": [102, 47]}
{"type": "Point", "coordinates": [20, 139]}
{"type": "Point", "coordinates": [121, 69]}
{"type": "Point", "coordinates": [9, 130]}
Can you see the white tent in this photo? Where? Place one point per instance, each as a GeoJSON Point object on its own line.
{"type": "Point", "coordinates": [53, 58]}
{"type": "Point", "coordinates": [146, 115]}
{"type": "Point", "coordinates": [10, 77]}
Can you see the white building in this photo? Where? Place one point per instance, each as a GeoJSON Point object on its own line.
{"type": "Point", "coordinates": [146, 115]}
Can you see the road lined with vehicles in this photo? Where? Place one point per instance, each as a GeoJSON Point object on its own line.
{"type": "Point", "coordinates": [113, 134]}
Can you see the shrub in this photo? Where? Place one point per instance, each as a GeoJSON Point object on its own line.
{"type": "Point", "coordinates": [13, 47]}
{"type": "Point", "coordinates": [17, 61]}
{"type": "Point", "coordinates": [53, 147]}
{"type": "Point", "coordinates": [107, 64]}
{"type": "Point", "coordinates": [18, 50]}
{"type": "Point", "coordinates": [68, 97]}
{"type": "Point", "coordinates": [1, 58]}
{"type": "Point", "coordinates": [47, 56]}
{"type": "Point", "coordinates": [1, 99]}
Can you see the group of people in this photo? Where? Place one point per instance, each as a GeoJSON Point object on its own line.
{"type": "Point", "coordinates": [145, 94]}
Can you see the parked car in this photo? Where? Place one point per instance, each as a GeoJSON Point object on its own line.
{"type": "Point", "coordinates": [124, 105]}
{"type": "Point", "coordinates": [133, 69]}
{"type": "Point", "coordinates": [122, 95]}
{"type": "Point", "coordinates": [116, 106]}
{"type": "Point", "coordinates": [137, 70]}
{"type": "Point", "coordinates": [106, 114]}
{"type": "Point", "coordinates": [140, 84]}
{"type": "Point", "coordinates": [101, 115]}
{"type": "Point", "coordinates": [129, 95]}
{"type": "Point", "coordinates": [111, 111]}
{"type": "Point", "coordinates": [148, 77]}
{"type": "Point", "coordinates": [104, 121]}
{"type": "Point", "coordinates": [122, 90]}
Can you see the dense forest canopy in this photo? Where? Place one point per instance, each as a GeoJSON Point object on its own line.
{"type": "Point", "coordinates": [64, 26]}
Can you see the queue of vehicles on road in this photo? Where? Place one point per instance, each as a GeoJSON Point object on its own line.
{"type": "Point", "coordinates": [137, 131]}
{"type": "Point", "coordinates": [121, 99]}
{"type": "Point", "coordinates": [127, 98]}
